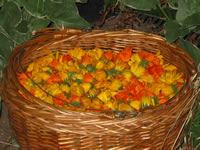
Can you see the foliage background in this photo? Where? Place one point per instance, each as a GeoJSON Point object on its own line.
{"type": "Point", "coordinates": [19, 18]}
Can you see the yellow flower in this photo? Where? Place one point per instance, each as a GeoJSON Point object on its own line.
{"type": "Point", "coordinates": [92, 92]}
{"type": "Point", "coordinates": [137, 69]}
{"type": "Point", "coordinates": [119, 65]}
{"type": "Point", "coordinates": [86, 86]}
{"type": "Point", "coordinates": [96, 53]}
{"type": "Point", "coordinates": [100, 75]}
{"type": "Point", "coordinates": [110, 65]}
{"type": "Point", "coordinates": [86, 102]}
{"type": "Point", "coordinates": [127, 74]}
{"type": "Point", "coordinates": [124, 107]}
{"type": "Point", "coordinates": [159, 56]}
{"type": "Point", "coordinates": [76, 90]}
{"type": "Point", "coordinates": [115, 85]}
{"type": "Point", "coordinates": [100, 64]}
{"type": "Point", "coordinates": [105, 96]}
{"type": "Point", "coordinates": [146, 78]}
{"type": "Point", "coordinates": [135, 104]}
{"type": "Point", "coordinates": [147, 101]}
{"type": "Point", "coordinates": [134, 58]}
{"type": "Point", "coordinates": [168, 67]}
{"type": "Point", "coordinates": [167, 89]}
{"type": "Point", "coordinates": [171, 77]}
{"type": "Point", "coordinates": [77, 53]}
{"type": "Point", "coordinates": [96, 103]}
{"type": "Point", "coordinates": [49, 99]}
{"type": "Point", "coordinates": [65, 88]}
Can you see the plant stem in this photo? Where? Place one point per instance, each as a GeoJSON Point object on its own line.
{"type": "Point", "coordinates": [162, 10]}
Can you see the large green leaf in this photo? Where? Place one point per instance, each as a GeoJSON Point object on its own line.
{"type": "Point", "coordinates": [34, 7]}
{"type": "Point", "coordinates": [5, 48]}
{"type": "Point", "coordinates": [192, 20]}
{"type": "Point", "coordinates": [65, 13]}
{"type": "Point", "coordinates": [187, 8]}
{"type": "Point", "coordinates": [191, 49]}
{"type": "Point", "coordinates": [10, 15]}
{"type": "Point", "coordinates": [142, 4]}
{"type": "Point", "coordinates": [37, 23]}
{"type": "Point", "coordinates": [173, 30]}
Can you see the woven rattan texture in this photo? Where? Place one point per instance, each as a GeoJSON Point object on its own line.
{"type": "Point", "coordinates": [41, 126]}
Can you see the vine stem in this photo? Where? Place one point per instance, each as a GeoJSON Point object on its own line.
{"type": "Point", "coordinates": [162, 10]}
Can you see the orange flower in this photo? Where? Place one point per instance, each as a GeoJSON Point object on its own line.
{"type": "Point", "coordinates": [88, 78]}
{"type": "Point", "coordinates": [109, 55]}
{"type": "Point", "coordinates": [122, 95]}
{"type": "Point", "coordinates": [55, 77]}
{"type": "Point", "coordinates": [67, 58]}
{"type": "Point", "coordinates": [60, 99]}
{"type": "Point", "coordinates": [54, 63]}
{"type": "Point", "coordinates": [86, 59]}
{"type": "Point", "coordinates": [146, 55]}
{"type": "Point", "coordinates": [156, 69]}
{"type": "Point", "coordinates": [125, 54]}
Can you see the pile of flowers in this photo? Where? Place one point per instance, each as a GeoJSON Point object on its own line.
{"type": "Point", "coordinates": [98, 79]}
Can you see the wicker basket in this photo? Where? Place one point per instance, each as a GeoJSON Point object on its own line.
{"type": "Point", "coordinates": [38, 125]}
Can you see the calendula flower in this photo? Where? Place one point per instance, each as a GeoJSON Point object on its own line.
{"type": "Point", "coordinates": [168, 67]}
{"type": "Point", "coordinates": [135, 58]}
{"type": "Point", "coordinates": [135, 104]}
{"type": "Point", "coordinates": [76, 53]}
{"type": "Point", "coordinates": [147, 101]}
{"type": "Point", "coordinates": [96, 103]}
{"type": "Point", "coordinates": [77, 90]}
{"type": "Point", "coordinates": [109, 55]}
{"type": "Point", "coordinates": [93, 93]}
{"type": "Point", "coordinates": [125, 54]}
{"type": "Point", "coordinates": [110, 65]}
{"type": "Point", "coordinates": [127, 75]}
{"type": "Point", "coordinates": [100, 75]}
{"type": "Point", "coordinates": [96, 53]}
{"type": "Point", "coordinates": [124, 107]}
{"type": "Point", "coordinates": [146, 55]}
{"type": "Point", "coordinates": [115, 85]}
{"type": "Point", "coordinates": [160, 57]}
{"type": "Point", "coordinates": [100, 64]}
{"type": "Point", "coordinates": [146, 78]}
{"type": "Point", "coordinates": [86, 102]}
{"type": "Point", "coordinates": [137, 69]}
{"type": "Point", "coordinates": [86, 86]}
{"type": "Point", "coordinates": [119, 65]}
{"type": "Point", "coordinates": [171, 77]}
{"type": "Point", "coordinates": [65, 88]}
{"type": "Point", "coordinates": [88, 78]}
{"type": "Point", "coordinates": [105, 96]}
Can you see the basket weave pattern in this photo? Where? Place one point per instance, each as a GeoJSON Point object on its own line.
{"type": "Point", "coordinates": [38, 125]}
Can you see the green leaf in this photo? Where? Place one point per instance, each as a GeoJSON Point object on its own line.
{"type": "Point", "coordinates": [192, 20]}
{"type": "Point", "coordinates": [38, 23]}
{"type": "Point", "coordinates": [187, 8]}
{"type": "Point", "coordinates": [141, 4]}
{"type": "Point", "coordinates": [81, 1]}
{"type": "Point", "coordinates": [65, 13]}
{"type": "Point", "coordinates": [10, 15]}
{"type": "Point", "coordinates": [5, 49]}
{"type": "Point", "coordinates": [173, 4]}
{"type": "Point", "coordinates": [34, 7]}
{"type": "Point", "coordinates": [191, 49]}
{"type": "Point", "coordinates": [22, 26]}
{"type": "Point", "coordinates": [108, 3]}
{"type": "Point", "coordinates": [173, 30]}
